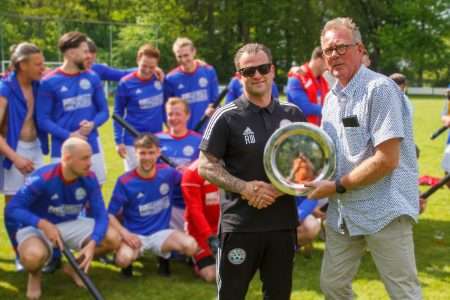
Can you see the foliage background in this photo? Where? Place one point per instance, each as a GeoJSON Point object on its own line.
{"type": "Point", "coordinates": [412, 37]}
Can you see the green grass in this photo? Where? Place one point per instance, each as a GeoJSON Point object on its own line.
{"type": "Point", "coordinates": [433, 256]}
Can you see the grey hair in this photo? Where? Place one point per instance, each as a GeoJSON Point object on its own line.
{"type": "Point", "coordinates": [251, 48]}
{"type": "Point", "coordinates": [22, 52]}
{"type": "Point", "coordinates": [343, 23]}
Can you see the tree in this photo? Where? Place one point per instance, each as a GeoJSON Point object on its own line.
{"type": "Point", "coordinates": [407, 36]}
{"type": "Point", "coordinates": [416, 42]}
{"type": "Point", "coordinates": [154, 26]}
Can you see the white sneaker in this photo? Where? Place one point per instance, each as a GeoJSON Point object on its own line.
{"type": "Point", "coordinates": [19, 267]}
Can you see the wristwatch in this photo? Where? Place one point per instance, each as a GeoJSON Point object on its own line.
{"type": "Point", "coordinates": [340, 189]}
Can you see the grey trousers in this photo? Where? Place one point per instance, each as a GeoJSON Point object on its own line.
{"type": "Point", "coordinates": [392, 250]}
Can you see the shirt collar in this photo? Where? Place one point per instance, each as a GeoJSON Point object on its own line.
{"type": "Point", "coordinates": [353, 84]}
{"type": "Point", "coordinates": [246, 104]}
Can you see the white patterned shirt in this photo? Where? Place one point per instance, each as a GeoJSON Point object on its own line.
{"type": "Point", "coordinates": [375, 111]}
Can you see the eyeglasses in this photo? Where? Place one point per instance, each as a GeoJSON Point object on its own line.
{"type": "Point", "coordinates": [250, 71]}
{"type": "Point", "coordinates": [340, 49]}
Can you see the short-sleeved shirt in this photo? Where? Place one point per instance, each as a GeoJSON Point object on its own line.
{"type": "Point", "coordinates": [359, 117]}
{"type": "Point", "coordinates": [237, 134]}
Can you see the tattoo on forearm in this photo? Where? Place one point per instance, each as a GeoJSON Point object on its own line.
{"type": "Point", "coordinates": [211, 169]}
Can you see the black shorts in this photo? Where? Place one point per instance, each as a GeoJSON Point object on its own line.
{"type": "Point", "coordinates": [205, 262]}
{"type": "Point", "coordinates": [243, 253]}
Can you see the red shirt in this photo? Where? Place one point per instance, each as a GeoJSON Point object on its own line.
{"type": "Point", "coordinates": [315, 87]}
{"type": "Point", "coordinates": [202, 204]}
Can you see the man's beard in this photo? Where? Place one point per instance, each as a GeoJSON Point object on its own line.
{"type": "Point", "coordinates": [147, 168]}
{"type": "Point", "coordinates": [79, 173]}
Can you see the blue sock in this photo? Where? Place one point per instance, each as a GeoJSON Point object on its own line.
{"type": "Point", "coordinates": [56, 254]}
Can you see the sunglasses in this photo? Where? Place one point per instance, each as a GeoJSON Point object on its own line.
{"type": "Point", "coordinates": [250, 71]}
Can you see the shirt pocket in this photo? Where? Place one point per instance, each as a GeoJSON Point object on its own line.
{"type": "Point", "coordinates": [356, 140]}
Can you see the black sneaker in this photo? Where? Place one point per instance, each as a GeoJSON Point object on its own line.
{"type": "Point", "coordinates": [163, 266]}
{"type": "Point", "coordinates": [189, 261]}
{"type": "Point", "coordinates": [127, 272]}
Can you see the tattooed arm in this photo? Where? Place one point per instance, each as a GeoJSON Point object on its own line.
{"type": "Point", "coordinates": [211, 169]}
{"type": "Point", "coordinates": [258, 193]}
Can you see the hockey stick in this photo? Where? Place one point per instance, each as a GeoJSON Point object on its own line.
{"type": "Point", "coordinates": [435, 187]}
{"type": "Point", "coordinates": [136, 133]}
{"type": "Point", "coordinates": [216, 103]}
{"type": "Point", "coordinates": [84, 277]}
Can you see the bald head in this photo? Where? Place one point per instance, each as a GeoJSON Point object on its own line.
{"type": "Point", "coordinates": [76, 158]}
{"type": "Point", "coordinates": [73, 144]}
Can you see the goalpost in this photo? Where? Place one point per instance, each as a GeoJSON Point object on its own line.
{"type": "Point", "coordinates": [50, 64]}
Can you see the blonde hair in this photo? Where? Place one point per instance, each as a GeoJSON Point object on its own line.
{"type": "Point", "coordinates": [182, 42]}
{"type": "Point", "coordinates": [177, 100]}
{"type": "Point", "coordinates": [343, 23]}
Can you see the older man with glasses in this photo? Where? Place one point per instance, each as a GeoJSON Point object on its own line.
{"type": "Point", "coordinates": [373, 201]}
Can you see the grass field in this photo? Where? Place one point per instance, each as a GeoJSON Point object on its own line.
{"type": "Point", "coordinates": [432, 251]}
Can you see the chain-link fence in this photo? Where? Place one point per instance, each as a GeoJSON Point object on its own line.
{"type": "Point", "coordinates": [45, 31]}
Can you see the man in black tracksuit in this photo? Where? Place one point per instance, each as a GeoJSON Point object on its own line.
{"type": "Point", "coordinates": [258, 222]}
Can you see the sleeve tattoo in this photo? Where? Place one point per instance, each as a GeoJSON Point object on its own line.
{"type": "Point", "coordinates": [211, 169]}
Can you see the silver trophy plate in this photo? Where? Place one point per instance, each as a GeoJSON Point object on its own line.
{"type": "Point", "coordinates": [297, 153]}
